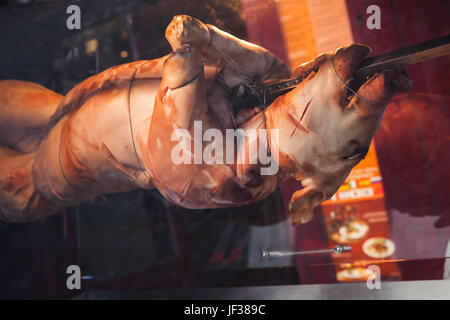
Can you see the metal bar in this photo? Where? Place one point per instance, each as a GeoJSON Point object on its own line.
{"type": "Point", "coordinates": [338, 249]}
{"type": "Point", "coordinates": [397, 290]}
{"type": "Point", "coordinates": [409, 55]}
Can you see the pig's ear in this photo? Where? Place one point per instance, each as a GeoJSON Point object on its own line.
{"type": "Point", "coordinates": [303, 203]}
{"type": "Point", "coordinates": [306, 68]}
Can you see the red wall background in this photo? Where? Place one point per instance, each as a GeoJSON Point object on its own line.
{"type": "Point", "coordinates": [413, 143]}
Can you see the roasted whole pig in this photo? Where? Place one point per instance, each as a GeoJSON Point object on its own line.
{"type": "Point", "coordinates": [121, 129]}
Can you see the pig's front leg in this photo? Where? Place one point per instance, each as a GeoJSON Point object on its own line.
{"type": "Point", "coordinates": [175, 151]}
{"type": "Point", "coordinates": [180, 100]}
{"type": "Point", "coordinates": [228, 60]}
{"type": "Point", "coordinates": [243, 62]}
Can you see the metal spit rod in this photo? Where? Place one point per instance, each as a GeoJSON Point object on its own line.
{"type": "Point", "coordinates": [338, 249]}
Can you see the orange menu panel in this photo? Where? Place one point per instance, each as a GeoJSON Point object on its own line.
{"type": "Point", "coordinates": [363, 183]}
{"type": "Point", "coordinates": [356, 216]}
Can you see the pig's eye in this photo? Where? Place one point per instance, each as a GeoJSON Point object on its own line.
{"type": "Point", "coordinates": [358, 153]}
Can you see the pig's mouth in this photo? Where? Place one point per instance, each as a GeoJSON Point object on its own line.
{"type": "Point", "coordinates": [396, 81]}
{"type": "Point", "coordinates": [359, 153]}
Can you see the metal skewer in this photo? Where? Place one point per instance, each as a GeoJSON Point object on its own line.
{"type": "Point", "coordinates": [408, 55]}
{"type": "Point", "coordinates": [338, 249]}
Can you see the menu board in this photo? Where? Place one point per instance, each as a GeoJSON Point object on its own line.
{"type": "Point", "coordinates": [356, 216]}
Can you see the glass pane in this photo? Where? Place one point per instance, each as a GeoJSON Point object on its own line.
{"type": "Point", "coordinates": [393, 210]}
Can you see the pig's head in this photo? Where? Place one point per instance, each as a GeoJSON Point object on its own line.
{"type": "Point", "coordinates": [324, 128]}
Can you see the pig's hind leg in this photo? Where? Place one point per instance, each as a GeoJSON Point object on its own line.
{"type": "Point", "coordinates": [19, 199]}
{"type": "Point", "coordinates": [25, 109]}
